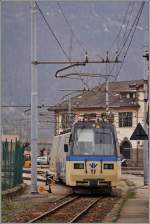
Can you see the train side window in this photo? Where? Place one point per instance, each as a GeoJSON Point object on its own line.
{"type": "Point", "coordinates": [65, 147]}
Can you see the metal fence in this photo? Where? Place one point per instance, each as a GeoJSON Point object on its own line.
{"type": "Point", "coordinates": [12, 164]}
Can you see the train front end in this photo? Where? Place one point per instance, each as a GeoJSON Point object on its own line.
{"type": "Point", "coordinates": [93, 161]}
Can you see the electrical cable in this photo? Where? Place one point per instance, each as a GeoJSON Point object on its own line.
{"type": "Point", "coordinates": [117, 37]}
{"type": "Point", "coordinates": [140, 12]}
{"type": "Point", "coordinates": [72, 31]}
{"type": "Point", "coordinates": [131, 29]}
{"type": "Point", "coordinates": [134, 23]}
{"type": "Point", "coordinates": [69, 25]}
{"type": "Point", "coordinates": [54, 35]}
{"type": "Point", "coordinates": [124, 19]}
{"type": "Point", "coordinates": [128, 22]}
{"type": "Point", "coordinates": [78, 41]}
{"type": "Point", "coordinates": [52, 32]}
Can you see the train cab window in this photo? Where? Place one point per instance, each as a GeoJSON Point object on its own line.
{"type": "Point", "coordinates": [93, 141]}
{"type": "Point", "coordinates": [84, 142]}
{"type": "Point", "coordinates": [104, 142]}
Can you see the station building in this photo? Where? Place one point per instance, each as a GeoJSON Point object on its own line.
{"type": "Point", "coordinates": [127, 105]}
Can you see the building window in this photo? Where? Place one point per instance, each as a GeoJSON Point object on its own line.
{"type": "Point", "coordinates": [125, 119]}
{"type": "Point", "coordinates": [129, 95]}
{"type": "Point", "coordinates": [67, 121]}
{"type": "Point", "coordinates": [123, 95]}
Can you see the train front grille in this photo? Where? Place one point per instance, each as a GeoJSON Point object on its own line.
{"type": "Point", "coordinates": [82, 183]}
{"type": "Point", "coordinates": [93, 182]}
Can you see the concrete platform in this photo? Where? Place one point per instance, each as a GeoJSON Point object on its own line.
{"type": "Point", "coordinates": [135, 210]}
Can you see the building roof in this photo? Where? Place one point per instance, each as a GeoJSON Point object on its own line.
{"type": "Point", "coordinates": [95, 98]}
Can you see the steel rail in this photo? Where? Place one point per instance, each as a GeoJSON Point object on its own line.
{"type": "Point", "coordinates": [63, 204]}
{"type": "Point", "coordinates": [53, 210]}
{"type": "Point", "coordinates": [84, 211]}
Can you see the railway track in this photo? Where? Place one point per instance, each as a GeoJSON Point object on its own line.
{"type": "Point", "coordinates": [69, 211]}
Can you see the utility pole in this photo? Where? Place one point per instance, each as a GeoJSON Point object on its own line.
{"type": "Point", "coordinates": [1, 150]}
{"type": "Point", "coordinates": [146, 81]}
{"type": "Point", "coordinates": [69, 110]}
{"type": "Point", "coordinates": [107, 85]}
{"type": "Point", "coordinates": [107, 102]}
{"type": "Point", "coordinates": [34, 101]}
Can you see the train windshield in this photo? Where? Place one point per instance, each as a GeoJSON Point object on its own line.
{"type": "Point", "coordinates": [93, 142]}
{"type": "Point", "coordinates": [104, 144]}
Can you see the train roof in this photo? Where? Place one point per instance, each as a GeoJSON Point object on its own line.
{"type": "Point", "coordinates": [92, 124]}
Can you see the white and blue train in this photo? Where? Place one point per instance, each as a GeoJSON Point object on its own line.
{"type": "Point", "coordinates": [87, 158]}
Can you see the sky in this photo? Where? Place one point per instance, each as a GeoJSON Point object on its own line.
{"type": "Point", "coordinates": [95, 24]}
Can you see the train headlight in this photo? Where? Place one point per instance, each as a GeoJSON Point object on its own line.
{"type": "Point", "coordinates": [78, 165]}
{"type": "Point", "coordinates": [108, 166]}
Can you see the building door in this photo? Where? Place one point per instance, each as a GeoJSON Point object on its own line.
{"type": "Point", "coordinates": [125, 149]}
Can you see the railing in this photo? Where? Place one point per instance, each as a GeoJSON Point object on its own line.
{"type": "Point", "coordinates": [12, 164]}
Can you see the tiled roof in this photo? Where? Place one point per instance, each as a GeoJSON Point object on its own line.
{"type": "Point", "coordinates": [95, 98]}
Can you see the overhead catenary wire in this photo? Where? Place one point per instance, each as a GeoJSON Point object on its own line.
{"type": "Point", "coordinates": [70, 27]}
{"type": "Point", "coordinates": [72, 31]}
{"type": "Point", "coordinates": [130, 33]}
{"type": "Point", "coordinates": [51, 31]}
{"type": "Point", "coordinates": [123, 38]}
{"type": "Point", "coordinates": [77, 38]}
{"type": "Point", "coordinates": [138, 18]}
{"type": "Point", "coordinates": [119, 33]}
{"type": "Point", "coordinates": [128, 21]}
{"type": "Point", "coordinates": [121, 28]}
{"type": "Point", "coordinates": [135, 22]}
{"type": "Point", "coordinates": [54, 35]}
